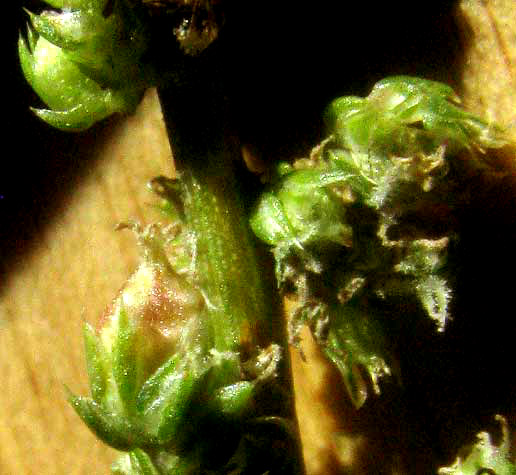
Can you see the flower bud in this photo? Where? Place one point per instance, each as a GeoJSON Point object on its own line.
{"type": "Point", "coordinates": [145, 356]}
{"type": "Point", "coordinates": [157, 380]}
{"type": "Point", "coordinates": [348, 225]}
{"type": "Point", "coordinates": [406, 115]}
{"type": "Point", "coordinates": [85, 63]}
{"type": "Point", "coordinates": [161, 307]}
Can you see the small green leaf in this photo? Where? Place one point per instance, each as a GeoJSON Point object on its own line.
{"type": "Point", "coordinates": [176, 422]}
{"type": "Point", "coordinates": [64, 30]}
{"type": "Point", "coordinates": [358, 338]}
{"type": "Point", "coordinates": [361, 170]}
{"type": "Point", "coordinates": [126, 370]}
{"type": "Point", "coordinates": [269, 221]}
{"type": "Point", "coordinates": [26, 58]}
{"type": "Point", "coordinates": [96, 363]}
{"type": "Point", "coordinates": [233, 400]}
{"type": "Point", "coordinates": [75, 3]}
{"type": "Point", "coordinates": [184, 464]}
{"type": "Point", "coordinates": [155, 390]}
{"type": "Point", "coordinates": [164, 401]}
{"type": "Point", "coordinates": [113, 429]}
{"type": "Point", "coordinates": [142, 463]}
{"type": "Point", "coordinates": [301, 209]}
{"type": "Point", "coordinates": [314, 212]}
{"type": "Point", "coordinates": [138, 462]}
{"type": "Point", "coordinates": [72, 120]}
{"type": "Point", "coordinates": [223, 368]}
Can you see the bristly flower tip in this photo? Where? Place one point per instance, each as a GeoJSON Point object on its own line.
{"type": "Point", "coordinates": [351, 226]}
{"type": "Point", "coordinates": [85, 62]}
{"type": "Point", "coordinates": [484, 457]}
{"type": "Point", "coordinates": [157, 381]}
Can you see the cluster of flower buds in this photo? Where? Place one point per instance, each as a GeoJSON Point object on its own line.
{"type": "Point", "coordinates": [85, 61]}
{"type": "Point", "coordinates": [353, 226]}
{"type": "Point", "coordinates": [158, 383]}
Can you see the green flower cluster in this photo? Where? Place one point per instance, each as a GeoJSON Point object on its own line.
{"type": "Point", "coordinates": [158, 384]}
{"type": "Point", "coordinates": [85, 61]}
{"type": "Point", "coordinates": [353, 226]}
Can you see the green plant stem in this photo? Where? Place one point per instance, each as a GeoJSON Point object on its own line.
{"type": "Point", "coordinates": [243, 310]}
{"type": "Point", "coordinates": [226, 265]}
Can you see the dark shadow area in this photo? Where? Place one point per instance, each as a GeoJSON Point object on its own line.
{"type": "Point", "coordinates": [457, 381]}
{"type": "Point", "coordinates": [285, 61]}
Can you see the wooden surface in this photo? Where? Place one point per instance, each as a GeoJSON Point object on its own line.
{"type": "Point", "coordinates": [489, 64]}
{"type": "Point", "coordinates": [79, 263]}
{"type": "Point", "coordinates": [73, 272]}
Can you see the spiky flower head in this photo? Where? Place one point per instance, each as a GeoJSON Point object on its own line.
{"type": "Point", "coordinates": [351, 226]}
{"type": "Point", "coordinates": [85, 60]}
{"type": "Point", "coordinates": [157, 381]}
{"type": "Point", "coordinates": [159, 385]}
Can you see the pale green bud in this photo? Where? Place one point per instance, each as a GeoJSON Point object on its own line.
{"type": "Point", "coordinates": [85, 63]}
{"type": "Point", "coordinates": [348, 224]}
{"type": "Point", "coordinates": [157, 382]}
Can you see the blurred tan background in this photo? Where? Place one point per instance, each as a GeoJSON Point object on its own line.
{"type": "Point", "coordinates": [69, 276]}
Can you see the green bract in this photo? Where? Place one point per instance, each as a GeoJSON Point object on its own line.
{"type": "Point", "coordinates": [158, 384]}
{"type": "Point", "coordinates": [85, 61]}
{"type": "Point", "coordinates": [484, 457]}
{"type": "Point", "coordinates": [352, 225]}
{"type": "Point", "coordinates": [404, 115]}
